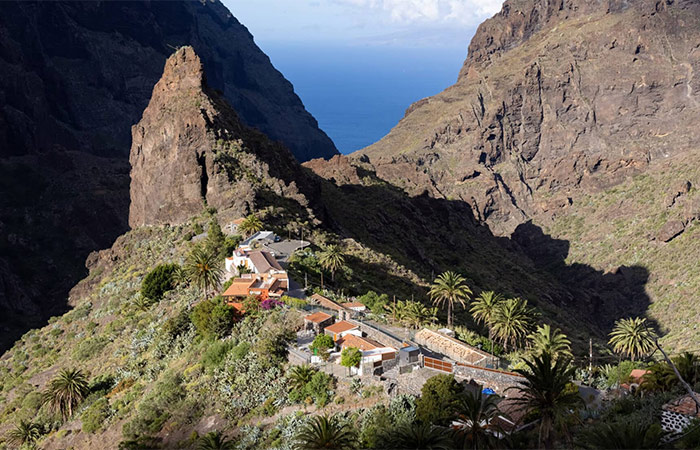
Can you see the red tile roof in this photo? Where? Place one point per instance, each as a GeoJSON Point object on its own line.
{"type": "Point", "coordinates": [340, 327]}
{"type": "Point", "coordinates": [318, 317]}
{"type": "Point", "coordinates": [364, 344]}
{"type": "Point", "coordinates": [326, 302]}
{"type": "Point", "coordinates": [684, 405]}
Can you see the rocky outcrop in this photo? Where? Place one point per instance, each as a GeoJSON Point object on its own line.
{"type": "Point", "coordinates": [190, 151]}
{"type": "Point", "coordinates": [555, 98]}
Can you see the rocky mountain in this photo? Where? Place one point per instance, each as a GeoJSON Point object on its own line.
{"type": "Point", "coordinates": [557, 104]}
{"type": "Point", "coordinates": [76, 77]}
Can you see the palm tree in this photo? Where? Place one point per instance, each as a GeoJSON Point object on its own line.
{"type": "Point", "coordinates": [25, 433]}
{"type": "Point", "coordinates": [447, 289]}
{"type": "Point", "coordinates": [250, 225]}
{"type": "Point", "coordinates": [474, 424]}
{"type": "Point", "coordinates": [484, 309]}
{"type": "Point", "coordinates": [554, 342]}
{"type": "Point", "coordinates": [324, 432]}
{"type": "Point", "coordinates": [512, 321]}
{"type": "Point", "coordinates": [66, 391]}
{"type": "Point", "coordinates": [632, 337]}
{"type": "Point", "coordinates": [622, 435]}
{"type": "Point", "coordinates": [331, 259]}
{"type": "Point", "coordinates": [547, 392]}
{"type": "Point", "coordinates": [420, 436]}
{"type": "Point", "coordinates": [214, 441]}
{"type": "Point", "coordinates": [204, 268]}
{"type": "Point", "coordinates": [688, 366]}
{"type": "Point", "coordinates": [299, 376]}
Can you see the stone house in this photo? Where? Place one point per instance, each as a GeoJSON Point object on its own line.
{"type": "Point", "coordinates": [317, 322]}
{"type": "Point", "coordinates": [677, 414]}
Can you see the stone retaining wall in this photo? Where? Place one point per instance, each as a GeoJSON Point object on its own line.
{"type": "Point", "coordinates": [495, 379]}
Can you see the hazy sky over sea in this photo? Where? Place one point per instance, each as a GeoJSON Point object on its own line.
{"type": "Point", "coordinates": [358, 64]}
{"type": "Point", "coordinates": [401, 23]}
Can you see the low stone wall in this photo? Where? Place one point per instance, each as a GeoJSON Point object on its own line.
{"type": "Point", "coordinates": [378, 335]}
{"type": "Point", "coordinates": [495, 379]}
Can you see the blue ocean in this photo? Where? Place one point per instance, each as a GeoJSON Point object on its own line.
{"type": "Point", "coordinates": [358, 94]}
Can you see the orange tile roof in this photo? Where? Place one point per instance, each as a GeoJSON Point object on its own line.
{"type": "Point", "coordinates": [318, 317]}
{"type": "Point", "coordinates": [637, 374]}
{"type": "Point", "coordinates": [340, 327]}
{"type": "Point", "coordinates": [239, 288]}
{"type": "Point", "coordinates": [684, 405]}
{"type": "Point", "coordinates": [326, 302]}
{"type": "Point", "coordinates": [239, 221]}
{"type": "Point", "coordinates": [364, 344]}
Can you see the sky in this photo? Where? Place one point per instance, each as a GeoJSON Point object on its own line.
{"type": "Point", "coordinates": [398, 23]}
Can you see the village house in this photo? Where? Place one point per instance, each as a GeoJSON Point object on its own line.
{"type": "Point", "coordinates": [253, 261]}
{"type": "Point", "coordinates": [232, 228]}
{"type": "Point", "coordinates": [635, 380]}
{"type": "Point", "coordinates": [343, 312]}
{"type": "Point", "coordinates": [266, 285]}
{"type": "Point", "coordinates": [677, 414]}
{"type": "Point", "coordinates": [317, 321]}
{"type": "Point", "coordinates": [373, 353]}
{"type": "Point", "coordinates": [341, 329]}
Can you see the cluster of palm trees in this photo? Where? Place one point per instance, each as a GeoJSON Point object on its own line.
{"type": "Point", "coordinates": [509, 321]}
{"type": "Point", "coordinates": [63, 395]}
{"type": "Point", "coordinates": [411, 313]}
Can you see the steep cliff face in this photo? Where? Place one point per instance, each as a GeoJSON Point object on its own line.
{"type": "Point", "coordinates": [190, 151]}
{"type": "Point", "coordinates": [555, 98]}
{"type": "Point", "coordinates": [567, 118]}
{"type": "Point", "coordinates": [75, 77]}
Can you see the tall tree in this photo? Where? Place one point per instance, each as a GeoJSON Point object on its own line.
{"type": "Point", "coordinates": [484, 309]}
{"type": "Point", "coordinates": [250, 225]}
{"type": "Point", "coordinates": [66, 391]}
{"type": "Point", "coordinates": [512, 321]}
{"type": "Point", "coordinates": [474, 423]}
{"type": "Point", "coordinates": [203, 267]}
{"type": "Point", "coordinates": [331, 259]}
{"type": "Point", "coordinates": [449, 289]}
{"type": "Point", "coordinates": [548, 392]}
{"type": "Point", "coordinates": [544, 339]}
{"type": "Point", "coordinates": [324, 432]}
{"type": "Point", "coordinates": [632, 337]}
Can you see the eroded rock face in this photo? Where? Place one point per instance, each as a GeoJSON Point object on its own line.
{"type": "Point", "coordinates": [555, 98]}
{"type": "Point", "coordinates": [190, 151]}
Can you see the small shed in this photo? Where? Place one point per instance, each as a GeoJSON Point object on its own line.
{"type": "Point", "coordinates": [409, 355]}
{"type": "Point", "coordinates": [317, 321]}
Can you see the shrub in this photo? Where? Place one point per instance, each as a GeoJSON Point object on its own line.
{"type": "Point", "coordinates": [320, 388]}
{"type": "Point", "coordinates": [158, 282]}
{"type": "Point", "coordinates": [439, 399]}
{"type": "Point", "coordinates": [374, 301]}
{"type": "Point", "coordinates": [212, 318]}
{"type": "Point", "coordinates": [321, 344]}
{"type": "Point", "coordinates": [215, 354]}
{"type": "Point", "coordinates": [95, 416]}
{"type": "Point", "coordinates": [88, 348]}
{"type": "Point", "coordinates": [157, 407]}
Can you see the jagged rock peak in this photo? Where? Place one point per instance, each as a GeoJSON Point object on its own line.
{"type": "Point", "coordinates": [190, 151]}
{"type": "Point", "coordinates": [183, 70]}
